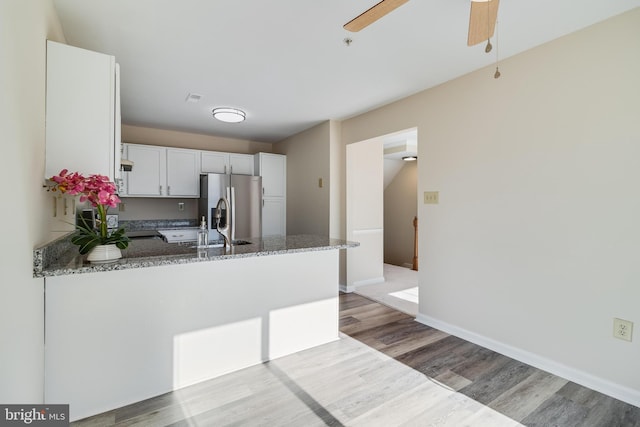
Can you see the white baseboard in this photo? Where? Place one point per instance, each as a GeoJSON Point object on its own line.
{"type": "Point", "coordinates": [609, 388]}
{"type": "Point", "coordinates": [365, 282]}
{"type": "Point", "coordinates": [347, 288]}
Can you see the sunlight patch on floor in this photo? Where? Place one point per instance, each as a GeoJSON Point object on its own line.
{"type": "Point", "coordinates": [410, 294]}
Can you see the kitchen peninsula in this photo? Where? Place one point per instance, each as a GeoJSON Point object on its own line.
{"type": "Point", "coordinates": [167, 315]}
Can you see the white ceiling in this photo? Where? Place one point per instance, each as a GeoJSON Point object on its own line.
{"type": "Point", "coordinates": [284, 61]}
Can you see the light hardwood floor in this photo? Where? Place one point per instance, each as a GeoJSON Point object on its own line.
{"type": "Point", "coordinates": [386, 370]}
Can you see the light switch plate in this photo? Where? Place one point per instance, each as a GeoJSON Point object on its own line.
{"type": "Point", "coordinates": [431, 197]}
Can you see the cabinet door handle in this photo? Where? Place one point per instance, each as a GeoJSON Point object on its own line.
{"type": "Point", "coordinates": [161, 190]}
{"type": "Point", "coordinates": [231, 169]}
{"type": "Point", "coordinates": [225, 169]}
{"type": "Point", "coordinates": [168, 190]}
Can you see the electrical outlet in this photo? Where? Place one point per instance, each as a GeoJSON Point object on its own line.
{"type": "Point", "coordinates": [180, 206]}
{"type": "Point", "coordinates": [622, 329]}
{"type": "Point", "coordinates": [431, 197]}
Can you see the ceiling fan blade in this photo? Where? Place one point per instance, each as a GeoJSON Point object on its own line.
{"type": "Point", "coordinates": [371, 15]}
{"type": "Point", "coordinates": [482, 21]}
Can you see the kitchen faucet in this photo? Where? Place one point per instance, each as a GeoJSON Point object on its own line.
{"type": "Point", "coordinates": [225, 230]}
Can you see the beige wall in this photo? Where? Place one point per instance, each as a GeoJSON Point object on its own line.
{"type": "Point", "coordinates": [196, 141]}
{"type": "Point", "coordinates": [533, 247]}
{"type": "Point", "coordinates": [317, 152]}
{"type": "Point", "coordinates": [24, 28]}
{"type": "Point", "coordinates": [308, 161]}
{"type": "Point", "coordinates": [400, 208]}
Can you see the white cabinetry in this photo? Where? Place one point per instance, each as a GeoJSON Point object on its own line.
{"type": "Point", "coordinates": [183, 173]}
{"type": "Point", "coordinates": [241, 164]}
{"type": "Point", "coordinates": [229, 163]}
{"type": "Point", "coordinates": [273, 170]}
{"type": "Point", "coordinates": [214, 162]}
{"type": "Point", "coordinates": [162, 172]}
{"type": "Point", "coordinates": [82, 112]}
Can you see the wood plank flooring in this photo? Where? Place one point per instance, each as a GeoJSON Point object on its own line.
{"type": "Point", "coordinates": [386, 370]}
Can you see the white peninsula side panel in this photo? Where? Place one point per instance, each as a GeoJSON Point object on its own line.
{"type": "Point", "coordinates": [118, 337]}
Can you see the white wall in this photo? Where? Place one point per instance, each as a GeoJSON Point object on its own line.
{"type": "Point", "coordinates": [24, 27]}
{"type": "Point", "coordinates": [365, 210]}
{"type": "Point", "coordinates": [533, 248]}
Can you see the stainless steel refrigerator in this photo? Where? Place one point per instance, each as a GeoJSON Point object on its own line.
{"type": "Point", "coordinates": [244, 193]}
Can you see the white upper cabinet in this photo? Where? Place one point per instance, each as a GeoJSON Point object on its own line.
{"type": "Point", "coordinates": [149, 174]}
{"type": "Point", "coordinates": [183, 173]}
{"type": "Point", "coordinates": [82, 112]}
{"type": "Point", "coordinates": [214, 162]}
{"type": "Point", "coordinates": [229, 163]}
{"type": "Point", "coordinates": [241, 164]}
{"type": "Point", "coordinates": [162, 172]}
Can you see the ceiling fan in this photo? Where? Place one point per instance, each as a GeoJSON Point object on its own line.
{"type": "Point", "coordinates": [482, 19]}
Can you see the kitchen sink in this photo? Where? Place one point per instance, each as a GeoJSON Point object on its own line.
{"type": "Point", "coordinates": [144, 235]}
{"type": "Point", "coordinates": [219, 244]}
{"type": "Point", "coordinates": [240, 242]}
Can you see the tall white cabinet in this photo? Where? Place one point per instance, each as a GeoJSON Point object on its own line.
{"type": "Point", "coordinates": [82, 112]}
{"type": "Point", "coordinates": [273, 170]}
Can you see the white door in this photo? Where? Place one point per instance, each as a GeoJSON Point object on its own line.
{"type": "Point", "coordinates": [241, 164]}
{"type": "Point", "coordinates": [273, 170]}
{"type": "Point", "coordinates": [148, 176]}
{"type": "Point", "coordinates": [214, 162]}
{"type": "Point", "coordinates": [183, 177]}
{"type": "Point", "coordinates": [273, 217]}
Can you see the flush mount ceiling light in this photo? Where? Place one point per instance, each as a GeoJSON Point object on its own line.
{"type": "Point", "coordinates": [410, 158]}
{"type": "Point", "coordinates": [229, 115]}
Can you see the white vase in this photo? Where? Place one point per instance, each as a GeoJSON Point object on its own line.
{"type": "Point", "coordinates": [104, 253]}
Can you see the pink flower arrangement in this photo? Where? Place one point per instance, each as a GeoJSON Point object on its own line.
{"type": "Point", "coordinates": [101, 193]}
{"type": "Point", "coordinates": [97, 189]}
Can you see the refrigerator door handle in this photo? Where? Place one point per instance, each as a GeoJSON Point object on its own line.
{"type": "Point", "coordinates": [233, 213]}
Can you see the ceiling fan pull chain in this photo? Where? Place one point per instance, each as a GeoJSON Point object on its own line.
{"type": "Point", "coordinates": [488, 48]}
{"type": "Point", "coordinates": [497, 73]}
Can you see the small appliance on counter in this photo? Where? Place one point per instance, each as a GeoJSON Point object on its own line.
{"type": "Point", "coordinates": [88, 217]}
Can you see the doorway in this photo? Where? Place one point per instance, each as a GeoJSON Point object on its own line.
{"type": "Point", "coordinates": [373, 166]}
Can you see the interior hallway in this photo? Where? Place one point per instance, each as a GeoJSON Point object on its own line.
{"type": "Point", "coordinates": [399, 290]}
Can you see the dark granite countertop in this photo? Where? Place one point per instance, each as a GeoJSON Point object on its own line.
{"type": "Point", "coordinates": [61, 257]}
